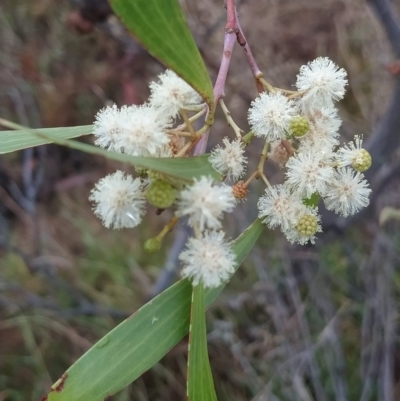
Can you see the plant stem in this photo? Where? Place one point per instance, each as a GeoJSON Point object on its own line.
{"type": "Point", "coordinates": [266, 85]}
{"type": "Point", "coordinates": [288, 146]}
{"type": "Point", "coordinates": [248, 138]}
{"type": "Point", "coordinates": [249, 55]}
{"type": "Point", "coordinates": [187, 122]}
{"type": "Point", "coordinates": [264, 154]}
{"type": "Point", "coordinates": [179, 133]}
{"type": "Point", "coordinates": [250, 179]}
{"type": "Point", "coordinates": [230, 120]}
{"type": "Point", "coordinates": [266, 180]}
{"type": "Point", "coordinates": [192, 119]}
{"type": "Point", "coordinates": [167, 228]}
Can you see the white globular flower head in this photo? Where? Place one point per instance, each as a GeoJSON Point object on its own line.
{"type": "Point", "coordinates": [278, 207]}
{"type": "Point", "coordinates": [119, 200]}
{"type": "Point", "coordinates": [208, 259]}
{"type": "Point", "coordinates": [204, 203]}
{"type": "Point", "coordinates": [270, 115]}
{"type": "Point", "coordinates": [323, 135]}
{"type": "Point", "coordinates": [107, 127]}
{"type": "Point", "coordinates": [229, 160]}
{"type": "Point", "coordinates": [142, 131]}
{"type": "Point", "coordinates": [353, 154]}
{"type": "Point", "coordinates": [318, 141]}
{"type": "Point", "coordinates": [347, 193]}
{"type": "Point", "coordinates": [308, 173]}
{"type": "Point", "coordinates": [305, 227]}
{"type": "Point", "coordinates": [172, 93]}
{"type": "Point", "coordinates": [322, 81]}
{"type": "Point", "coordinates": [326, 119]}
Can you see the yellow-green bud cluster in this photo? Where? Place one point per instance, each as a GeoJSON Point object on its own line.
{"type": "Point", "coordinates": [299, 126]}
{"type": "Point", "coordinates": [362, 161]}
{"type": "Point", "coordinates": [154, 175]}
{"type": "Point", "coordinates": [141, 172]}
{"type": "Point", "coordinates": [161, 194]}
{"type": "Point", "coordinates": [307, 225]}
{"type": "Point", "coordinates": [152, 245]}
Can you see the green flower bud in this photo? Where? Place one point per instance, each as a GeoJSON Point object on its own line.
{"type": "Point", "coordinates": [154, 175]}
{"type": "Point", "coordinates": [161, 194]}
{"type": "Point", "coordinates": [152, 245]}
{"type": "Point", "coordinates": [362, 161]}
{"type": "Point", "coordinates": [141, 172]}
{"type": "Point", "coordinates": [307, 225]}
{"type": "Point", "coordinates": [299, 126]}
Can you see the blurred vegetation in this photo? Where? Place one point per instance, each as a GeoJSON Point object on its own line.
{"type": "Point", "coordinates": [312, 323]}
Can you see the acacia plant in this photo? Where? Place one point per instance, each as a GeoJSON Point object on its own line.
{"type": "Point", "coordinates": [297, 129]}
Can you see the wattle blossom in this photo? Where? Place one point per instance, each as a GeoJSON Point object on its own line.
{"type": "Point", "coordinates": [171, 94]}
{"type": "Point", "coordinates": [270, 114]}
{"type": "Point", "coordinates": [230, 159]}
{"type": "Point", "coordinates": [209, 259]}
{"type": "Point", "coordinates": [323, 83]}
{"type": "Point", "coordinates": [119, 200]}
{"type": "Point", "coordinates": [204, 203]}
{"type": "Point", "coordinates": [348, 192]}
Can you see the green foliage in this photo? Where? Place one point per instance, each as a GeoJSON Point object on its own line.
{"type": "Point", "coordinates": [161, 27]}
{"type": "Point", "coordinates": [10, 141]}
{"type": "Point", "coordinates": [139, 342]}
{"type": "Point", "coordinates": [200, 385]}
{"type": "Point", "coordinates": [312, 201]}
{"type": "Point", "coordinates": [182, 168]}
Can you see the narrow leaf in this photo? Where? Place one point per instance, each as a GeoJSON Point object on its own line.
{"type": "Point", "coordinates": [200, 385]}
{"type": "Point", "coordinates": [185, 168]}
{"type": "Point", "coordinates": [10, 141]}
{"type": "Point", "coordinates": [162, 29]}
{"type": "Point", "coordinates": [140, 341]}
{"type": "Point", "coordinates": [312, 201]}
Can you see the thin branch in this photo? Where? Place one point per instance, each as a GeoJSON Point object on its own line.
{"type": "Point", "coordinates": [230, 121]}
{"type": "Point", "coordinates": [219, 87]}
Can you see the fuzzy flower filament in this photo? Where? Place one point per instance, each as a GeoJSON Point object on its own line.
{"type": "Point", "coordinates": [204, 203]}
{"type": "Point", "coordinates": [353, 154]}
{"type": "Point", "coordinates": [308, 173]}
{"type": "Point", "coordinates": [107, 127]}
{"type": "Point", "coordinates": [323, 83]}
{"type": "Point", "coordinates": [278, 207]}
{"type": "Point", "coordinates": [347, 193]}
{"type": "Point", "coordinates": [270, 115]}
{"type": "Point", "coordinates": [143, 132]}
{"type": "Point", "coordinates": [208, 258]}
{"type": "Point", "coordinates": [172, 94]}
{"type": "Point", "coordinates": [119, 200]}
{"type": "Point", "coordinates": [230, 159]}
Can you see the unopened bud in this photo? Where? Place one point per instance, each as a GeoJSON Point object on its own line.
{"type": "Point", "coordinates": [141, 172]}
{"type": "Point", "coordinates": [152, 245]}
{"type": "Point", "coordinates": [362, 161]}
{"type": "Point", "coordinates": [239, 190]}
{"type": "Point", "coordinates": [161, 194]}
{"type": "Point", "coordinates": [299, 126]}
{"type": "Point", "coordinates": [307, 225]}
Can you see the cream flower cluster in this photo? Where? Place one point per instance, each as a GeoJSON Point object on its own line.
{"type": "Point", "coordinates": [303, 132]}
{"type": "Point", "coordinates": [120, 200]}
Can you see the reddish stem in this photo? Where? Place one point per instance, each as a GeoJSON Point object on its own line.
{"type": "Point", "coordinates": [233, 33]}
{"type": "Point", "coordinates": [231, 17]}
{"type": "Point", "coordinates": [249, 55]}
{"type": "Point", "coordinates": [219, 87]}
